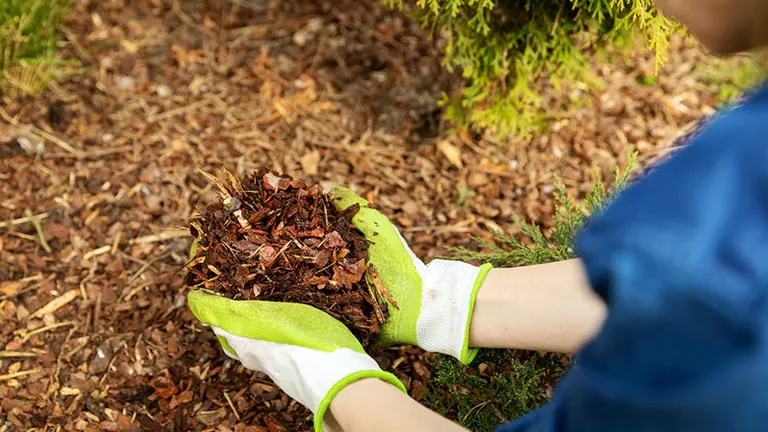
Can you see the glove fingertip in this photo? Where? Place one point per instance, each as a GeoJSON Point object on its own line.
{"type": "Point", "coordinates": [343, 198]}
{"type": "Point", "coordinates": [202, 305]}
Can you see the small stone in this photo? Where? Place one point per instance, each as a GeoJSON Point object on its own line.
{"type": "Point", "coordinates": [31, 146]}
{"type": "Point", "coordinates": [163, 90]}
{"type": "Point", "coordinates": [300, 38]}
{"type": "Point", "coordinates": [107, 137]}
{"type": "Point", "coordinates": [548, 189]}
{"type": "Point", "coordinates": [303, 36]}
{"type": "Point", "coordinates": [232, 204]}
{"type": "Point", "coordinates": [25, 144]}
{"type": "Point", "coordinates": [611, 106]}
{"type": "Point", "coordinates": [272, 181]}
{"type": "Point", "coordinates": [181, 300]}
{"type": "Point", "coordinates": [126, 82]}
{"type": "Point", "coordinates": [513, 163]}
{"type": "Point", "coordinates": [101, 359]}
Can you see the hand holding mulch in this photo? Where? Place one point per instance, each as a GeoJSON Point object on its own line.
{"type": "Point", "coordinates": [285, 263]}
{"type": "Point", "coordinates": [275, 239]}
{"type": "Point", "coordinates": [429, 305]}
{"type": "Point", "coordinates": [299, 280]}
{"type": "Point", "coordinates": [272, 238]}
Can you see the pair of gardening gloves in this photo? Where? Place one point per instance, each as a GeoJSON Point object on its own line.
{"type": "Point", "coordinates": [312, 356]}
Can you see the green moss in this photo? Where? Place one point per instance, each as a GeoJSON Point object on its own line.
{"type": "Point", "coordinates": [482, 403]}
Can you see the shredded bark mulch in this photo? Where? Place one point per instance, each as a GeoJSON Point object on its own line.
{"type": "Point", "coordinates": [95, 333]}
{"type": "Point", "coordinates": [277, 239]}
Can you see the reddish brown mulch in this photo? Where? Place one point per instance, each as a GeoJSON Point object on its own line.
{"type": "Point", "coordinates": [273, 238]}
{"type": "Point", "coordinates": [95, 333]}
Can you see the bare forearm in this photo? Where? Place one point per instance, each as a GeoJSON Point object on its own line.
{"type": "Point", "coordinates": [372, 405]}
{"type": "Point", "coordinates": [547, 307]}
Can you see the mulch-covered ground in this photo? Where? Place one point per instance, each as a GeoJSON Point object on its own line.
{"type": "Point", "coordinates": [99, 179]}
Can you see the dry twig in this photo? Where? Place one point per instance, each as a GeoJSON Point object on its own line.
{"type": "Point", "coordinates": [39, 229]}
{"type": "Point", "coordinates": [18, 374]}
{"type": "Point", "coordinates": [39, 132]}
{"type": "Point", "coordinates": [25, 219]}
{"type": "Point", "coordinates": [45, 329]}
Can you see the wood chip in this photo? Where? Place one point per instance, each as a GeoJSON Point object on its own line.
{"type": "Point", "coordinates": [376, 306]}
{"type": "Point", "coordinates": [69, 391]}
{"type": "Point", "coordinates": [56, 303]}
{"type": "Point", "coordinates": [451, 152]}
{"type": "Point", "coordinates": [163, 236]}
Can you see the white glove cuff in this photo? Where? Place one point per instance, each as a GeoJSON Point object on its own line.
{"type": "Point", "coordinates": [449, 289]}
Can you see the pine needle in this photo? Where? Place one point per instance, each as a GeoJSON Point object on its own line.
{"type": "Point", "coordinates": [223, 189]}
{"type": "Point", "coordinates": [376, 302]}
{"type": "Point", "coordinates": [380, 287]}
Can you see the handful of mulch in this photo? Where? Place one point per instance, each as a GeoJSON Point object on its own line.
{"type": "Point", "coordinates": [277, 239]}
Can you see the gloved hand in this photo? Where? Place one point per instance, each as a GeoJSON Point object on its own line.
{"type": "Point", "coordinates": [305, 351]}
{"type": "Point", "coordinates": [434, 301]}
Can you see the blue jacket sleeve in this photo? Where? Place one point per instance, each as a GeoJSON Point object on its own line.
{"type": "Point", "coordinates": [681, 259]}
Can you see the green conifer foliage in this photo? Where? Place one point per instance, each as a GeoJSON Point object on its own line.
{"type": "Point", "coordinates": [28, 36]}
{"type": "Point", "coordinates": [503, 47]}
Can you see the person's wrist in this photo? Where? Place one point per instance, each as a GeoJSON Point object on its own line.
{"type": "Point", "coordinates": [347, 401]}
{"type": "Point", "coordinates": [376, 375]}
{"type": "Point", "coordinates": [449, 291]}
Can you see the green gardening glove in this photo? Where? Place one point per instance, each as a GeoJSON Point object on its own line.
{"type": "Point", "coordinates": [434, 301]}
{"type": "Point", "coordinates": [305, 351]}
